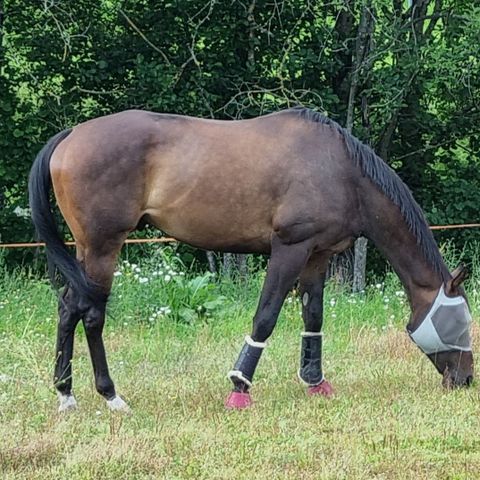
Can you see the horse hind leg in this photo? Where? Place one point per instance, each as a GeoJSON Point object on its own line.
{"type": "Point", "coordinates": [69, 311]}
{"type": "Point", "coordinates": [99, 263]}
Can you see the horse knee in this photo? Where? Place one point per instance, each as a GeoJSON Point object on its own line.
{"type": "Point", "coordinates": [263, 328]}
{"type": "Point", "coordinates": [316, 309]}
{"type": "Point", "coordinates": [94, 321]}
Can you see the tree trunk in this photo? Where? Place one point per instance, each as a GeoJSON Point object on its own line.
{"type": "Point", "coordinates": [227, 264]}
{"type": "Point", "coordinates": [212, 266]}
{"type": "Point", "coordinates": [359, 265]}
{"type": "Point", "coordinates": [364, 31]}
{"type": "Point", "coordinates": [235, 263]}
{"type": "Point", "coordinates": [340, 266]}
{"type": "Point", "coordinates": [238, 262]}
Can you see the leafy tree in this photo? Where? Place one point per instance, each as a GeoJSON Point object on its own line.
{"type": "Point", "coordinates": [415, 83]}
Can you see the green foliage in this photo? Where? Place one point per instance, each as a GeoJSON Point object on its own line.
{"type": "Point", "coordinates": [416, 101]}
{"type": "Point", "coordinates": [198, 298]}
{"type": "Point", "coordinates": [163, 288]}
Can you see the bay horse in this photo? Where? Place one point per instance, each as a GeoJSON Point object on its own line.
{"type": "Point", "coordinates": [292, 184]}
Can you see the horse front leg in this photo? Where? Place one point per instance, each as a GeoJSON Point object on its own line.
{"type": "Point", "coordinates": [312, 281]}
{"type": "Point", "coordinates": [286, 263]}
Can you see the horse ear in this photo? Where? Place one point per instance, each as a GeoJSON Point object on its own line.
{"type": "Point", "coordinates": [459, 275]}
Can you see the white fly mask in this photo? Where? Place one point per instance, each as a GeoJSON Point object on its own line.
{"type": "Point", "coordinates": [446, 326]}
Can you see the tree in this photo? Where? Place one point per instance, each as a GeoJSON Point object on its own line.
{"type": "Point", "coordinates": [415, 76]}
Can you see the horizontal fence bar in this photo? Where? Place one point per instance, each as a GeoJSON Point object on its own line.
{"type": "Point", "coordinates": [172, 240]}
{"type": "Point", "coordinates": [71, 244]}
{"type": "Point", "coordinates": [451, 227]}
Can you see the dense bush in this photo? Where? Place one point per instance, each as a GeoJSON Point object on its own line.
{"type": "Point", "coordinates": [406, 76]}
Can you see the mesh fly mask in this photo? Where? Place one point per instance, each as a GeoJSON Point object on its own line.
{"type": "Point", "coordinates": [446, 326]}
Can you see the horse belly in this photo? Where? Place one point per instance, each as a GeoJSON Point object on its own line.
{"type": "Point", "coordinates": [214, 227]}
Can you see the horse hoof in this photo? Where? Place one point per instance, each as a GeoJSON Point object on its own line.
{"type": "Point", "coordinates": [67, 403]}
{"type": "Point", "coordinates": [117, 404]}
{"type": "Point", "coordinates": [324, 388]}
{"type": "Point", "coordinates": [238, 401]}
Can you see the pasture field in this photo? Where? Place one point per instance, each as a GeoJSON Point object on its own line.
{"type": "Point", "coordinates": [171, 338]}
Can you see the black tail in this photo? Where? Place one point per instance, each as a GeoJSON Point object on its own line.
{"type": "Point", "coordinates": [59, 258]}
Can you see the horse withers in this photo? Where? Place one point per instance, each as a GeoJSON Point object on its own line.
{"type": "Point", "coordinates": [292, 184]}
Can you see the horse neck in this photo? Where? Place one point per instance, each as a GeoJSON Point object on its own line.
{"type": "Point", "coordinates": [392, 236]}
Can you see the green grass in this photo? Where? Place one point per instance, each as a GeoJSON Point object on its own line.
{"type": "Point", "coordinates": [390, 418]}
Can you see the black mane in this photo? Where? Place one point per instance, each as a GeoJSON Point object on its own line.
{"type": "Point", "coordinates": [389, 183]}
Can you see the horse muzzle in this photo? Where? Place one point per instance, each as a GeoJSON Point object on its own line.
{"type": "Point", "coordinates": [456, 367]}
{"type": "Point", "coordinates": [454, 380]}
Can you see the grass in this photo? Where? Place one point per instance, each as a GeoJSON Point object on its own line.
{"type": "Point", "coordinates": [390, 418]}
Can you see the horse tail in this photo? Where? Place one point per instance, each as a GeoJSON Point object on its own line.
{"type": "Point", "coordinates": [58, 257]}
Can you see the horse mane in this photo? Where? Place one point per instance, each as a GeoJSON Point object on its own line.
{"type": "Point", "coordinates": [385, 178]}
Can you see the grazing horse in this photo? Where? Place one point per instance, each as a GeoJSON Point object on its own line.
{"type": "Point", "coordinates": [292, 184]}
